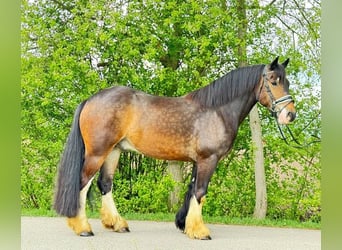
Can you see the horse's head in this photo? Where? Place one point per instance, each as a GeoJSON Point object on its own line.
{"type": "Point", "coordinates": [274, 92]}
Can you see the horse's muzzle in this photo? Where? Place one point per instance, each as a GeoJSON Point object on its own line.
{"type": "Point", "coordinates": [286, 116]}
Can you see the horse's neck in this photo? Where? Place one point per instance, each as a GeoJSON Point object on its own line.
{"type": "Point", "coordinates": [236, 111]}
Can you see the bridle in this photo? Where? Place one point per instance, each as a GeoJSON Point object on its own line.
{"type": "Point", "coordinates": [275, 102]}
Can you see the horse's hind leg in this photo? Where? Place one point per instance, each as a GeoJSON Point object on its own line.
{"type": "Point", "coordinates": [109, 214]}
{"type": "Point", "coordinates": [80, 223]}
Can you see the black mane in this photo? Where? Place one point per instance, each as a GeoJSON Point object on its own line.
{"type": "Point", "coordinates": [229, 86]}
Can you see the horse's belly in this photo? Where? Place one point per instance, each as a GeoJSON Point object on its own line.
{"type": "Point", "coordinates": [159, 147]}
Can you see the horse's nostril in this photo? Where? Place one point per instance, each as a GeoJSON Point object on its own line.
{"type": "Point", "coordinates": [292, 116]}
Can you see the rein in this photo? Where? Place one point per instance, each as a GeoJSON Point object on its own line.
{"type": "Point", "coordinates": [298, 144]}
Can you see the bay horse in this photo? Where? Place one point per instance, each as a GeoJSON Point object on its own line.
{"type": "Point", "coordinates": [199, 127]}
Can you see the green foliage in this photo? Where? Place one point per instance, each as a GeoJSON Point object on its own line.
{"type": "Point", "coordinates": [145, 195]}
{"type": "Point", "coordinates": [141, 185]}
{"type": "Point", "coordinates": [37, 175]}
{"type": "Point", "coordinates": [72, 49]}
{"type": "Point", "coordinates": [231, 189]}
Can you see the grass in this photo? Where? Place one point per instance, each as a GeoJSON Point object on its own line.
{"type": "Point", "coordinates": [248, 221]}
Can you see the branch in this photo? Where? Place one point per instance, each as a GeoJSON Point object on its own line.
{"type": "Point", "coordinates": [287, 26]}
{"type": "Point", "coordinates": [307, 21]}
{"type": "Point", "coordinates": [273, 1]}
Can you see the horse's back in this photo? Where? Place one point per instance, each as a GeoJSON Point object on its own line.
{"type": "Point", "coordinates": [112, 95]}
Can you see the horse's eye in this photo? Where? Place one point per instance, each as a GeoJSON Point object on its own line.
{"type": "Point", "coordinates": [276, 82]}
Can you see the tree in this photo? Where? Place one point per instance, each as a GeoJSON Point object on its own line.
{"type": "Point", "coordinates": [254, 120]}
{"type": "Point", "coordinates": [260, 208]}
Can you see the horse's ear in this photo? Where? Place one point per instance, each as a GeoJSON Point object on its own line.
{"type": "Point", "coordinates": [274, 64]}
{"type": "Point", "coordinates": [286, 62]}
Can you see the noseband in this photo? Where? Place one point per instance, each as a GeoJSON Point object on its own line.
{"type": "Point", "coordinates": [275, 102]}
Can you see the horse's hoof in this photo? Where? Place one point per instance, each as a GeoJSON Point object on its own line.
{"type": "Point", "coordinates": [206, 237]}
{"type": "Point", "coordinates": [87, 234]}
{"type": "Point", "coordinates": [124, 230]}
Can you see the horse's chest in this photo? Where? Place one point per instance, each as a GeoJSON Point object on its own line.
{"type": "Point", "coordinates": [213, 134]}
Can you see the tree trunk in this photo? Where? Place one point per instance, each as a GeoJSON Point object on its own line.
{"type": "Point", "coordinates": [260, 208]}
{"type": "Point", "coordinates": [175, 171]}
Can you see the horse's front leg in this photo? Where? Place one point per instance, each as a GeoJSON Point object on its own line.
{"type": "Point", "coordinates": [194, 225]}
{"type": "Point", "coordinates": [191, 212]}
{"type": "Point", "coordinates": [110, 216]}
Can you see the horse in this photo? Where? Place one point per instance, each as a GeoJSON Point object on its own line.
{"type": "Point", "coordinates": [199, 127]}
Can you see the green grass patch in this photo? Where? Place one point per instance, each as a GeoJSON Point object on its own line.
{"type": "Point", "coordinates": [247, 221]}
{"type": "Point", "coordinates": [38, 212]}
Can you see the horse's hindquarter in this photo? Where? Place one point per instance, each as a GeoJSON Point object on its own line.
{"type": "Point", "coordinates": [105, 118]}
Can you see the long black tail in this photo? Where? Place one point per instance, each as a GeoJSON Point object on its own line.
{"type": "Point", "coordinates": [69, 171]}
